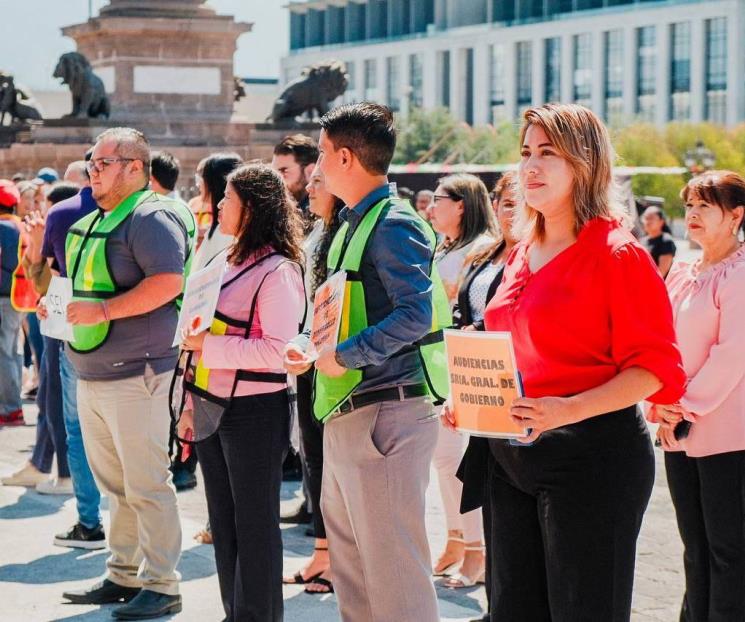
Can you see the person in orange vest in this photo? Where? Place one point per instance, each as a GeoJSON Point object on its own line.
{"type": "Point", "coordinates": [17, 296]}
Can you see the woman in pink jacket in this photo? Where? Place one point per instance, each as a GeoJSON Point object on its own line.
{"type": "Point", "coordinates": [238, 390]}
{"type": "Point", "coordinates": [704, 434]}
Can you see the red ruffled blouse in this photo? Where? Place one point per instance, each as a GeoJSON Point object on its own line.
{"type": "Point", "coordinates": [597, 308]}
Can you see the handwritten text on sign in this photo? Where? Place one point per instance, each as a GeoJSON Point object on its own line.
{"type": "Point", "coordinates": [327, 311]}
{"type": "Point", "coordinates": [483, 382]}
{"type": "Point", "coordinates": [58, 296]}
{"type": "Point", "coordinates": [200, 299]}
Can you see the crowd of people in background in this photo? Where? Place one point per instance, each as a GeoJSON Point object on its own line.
{"type": "Point", "coordinates": [607, 329]}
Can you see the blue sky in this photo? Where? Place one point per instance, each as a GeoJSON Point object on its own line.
{"type": "Point", "coordinates": [31, 41]}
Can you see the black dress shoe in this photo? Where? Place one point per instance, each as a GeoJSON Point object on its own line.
{"type": "Point", "coordinates": [102, 593]}
{"type": "Point", "coordinates": [148, 604]}
{"type": "Point", "coordinates": [300, 516]}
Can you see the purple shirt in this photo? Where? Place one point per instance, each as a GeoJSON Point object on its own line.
{"type": "Point", "coordinates": [60, 218]}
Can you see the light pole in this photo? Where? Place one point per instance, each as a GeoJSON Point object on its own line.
{"type": "Point", "coordinates": [699, 159]}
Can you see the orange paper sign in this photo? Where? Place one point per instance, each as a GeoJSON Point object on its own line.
{"type": "Point", "coordinates": [483, 382]}
{"type": "Point", "coordinates": [327, 311]}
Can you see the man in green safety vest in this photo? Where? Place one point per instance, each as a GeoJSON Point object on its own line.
{"type": "Point", "coordinates": [375, 390]}
{"type": "Point", "coordinates": [126, 262]}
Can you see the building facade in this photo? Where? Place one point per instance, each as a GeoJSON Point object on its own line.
{"type": "Point", "coordinates": [488, 60]}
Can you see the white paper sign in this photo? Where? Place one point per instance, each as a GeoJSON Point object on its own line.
{"type": "Point", "coordinates": [200, 299]}
{"type": "Point", "coordinates": [58, 296]}
{"type": "Point", "coordinates": [327, 310]}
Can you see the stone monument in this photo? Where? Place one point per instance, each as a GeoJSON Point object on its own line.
{"type": "Point", "coordinates": [167, 69]}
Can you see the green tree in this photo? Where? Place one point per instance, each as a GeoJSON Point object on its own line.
{"type": "Point", "coordinates": [644, 145]}
{"type": "Point", "coordinates": [680, 137]}
{"type": "Point", "coordinates": [430, 134]}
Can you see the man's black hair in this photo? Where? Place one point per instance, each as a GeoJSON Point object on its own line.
{"type": "Point", "coordinates": [367, 130]}
{"type": "Point", "coordinates": [62, 190]}
{"type": "Point", "coordinates": [302, 147]}
{"type": "Point", "coordinates": [165, 169]}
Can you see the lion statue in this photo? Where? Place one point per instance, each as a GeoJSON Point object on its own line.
{"type": "Point", "coordinates": [313, 91]}
{"type": "Point", "coordinates": [16, 102]}
{"type": "Point", "coordinates": [88, 94]}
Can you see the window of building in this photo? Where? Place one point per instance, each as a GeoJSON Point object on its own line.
{"type": "Point", "coordinates": [680, 71]}
{"type": "Point", "coordinates": [613, 76]}
{"type": "Point", "coordinates": [524, 76]}
{"type": "Point", "coordinates": [646, 68]}
{"type": "Point", "coordinates": [583, 69]}
{"type": "Point", "coordinates": [416, 80]}
{"type": "Point", "coordinates": [559, 6]}
{"type": "Point", "coordinates": [316, 31]}
{"type": "Point", "coordinates": [393, 85]}
{"type": "Point", "coordinates": [553, 69]}
{"type": "Point", "coordinates": [468, 90]}
{"type": "Point", "coordinates": [503, 11]}
{"type": "Point", "coordinates": [497, 78]}
{"type": "Point", "coordinates": [297, 30]}
{"type": "Point", "coordinates": [716, 70]}
{"type": "Point", "coordinates": [444, 90]}
{"type": "Point", "coordinates": [371, 80]}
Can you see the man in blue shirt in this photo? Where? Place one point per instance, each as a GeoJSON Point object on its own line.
{"type": "Point", "coordinates": [377, 453]}
{"type": "Point", "coordinates": [88, 531]}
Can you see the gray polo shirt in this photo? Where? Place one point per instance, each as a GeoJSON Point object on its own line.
{"type": "Point", "coordinates": [153, 240]}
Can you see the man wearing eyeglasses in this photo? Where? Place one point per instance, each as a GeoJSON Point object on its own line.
{"type": "Point", "coordinates": [126, 263]}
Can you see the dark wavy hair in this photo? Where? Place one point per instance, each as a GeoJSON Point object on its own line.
{"type": "Point", "coordinates": [270, 215]}
{"type": "Point", "coordinates": [217, 167]}
{"type": "Point", "coordinates": [320, 271]}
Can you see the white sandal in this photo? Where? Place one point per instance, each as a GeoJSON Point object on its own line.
{"type": "Point", "coordinates": [445, 572]}
{"type": "Point", "coordinates": [459, 580]}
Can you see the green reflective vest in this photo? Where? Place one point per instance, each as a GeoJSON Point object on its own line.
{"type": "Point", "coordinates": [331, 393]}
{"type": "Point", "coordinates": [87, 261]}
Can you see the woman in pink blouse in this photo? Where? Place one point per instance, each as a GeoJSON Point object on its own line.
{"type": "Point", "coordinates": [240, 376]}
{"type": "Point", "coordinates": [704, 434]}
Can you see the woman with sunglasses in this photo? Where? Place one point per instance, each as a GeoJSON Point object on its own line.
{"type": "Point", "coordinates": [239, 363]}
{"type": "Point", "coordinates": [462, 213]}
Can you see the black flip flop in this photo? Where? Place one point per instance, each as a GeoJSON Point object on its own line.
{"type": "Point", "coordinates": [321, 581]}
{"type": "Point", "coordinates": [297, 579]}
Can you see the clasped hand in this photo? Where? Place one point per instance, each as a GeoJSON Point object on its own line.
{"type": "Point", "coordinates": [297, 362]}
{"type": "Point", "coordinates": [538, 414]}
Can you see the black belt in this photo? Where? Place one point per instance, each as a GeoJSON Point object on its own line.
{"type": "Point", "coordinates": [397, 394]}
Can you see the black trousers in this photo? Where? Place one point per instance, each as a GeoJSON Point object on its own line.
{"type": "Point", "coordinates": [311, 439]}
{"type": "Point", "coordinates": [242, 468]}
{"type": "Point", "coordinates": [708, 495]}
{"type": "Point", "coordinates": [565, 517]}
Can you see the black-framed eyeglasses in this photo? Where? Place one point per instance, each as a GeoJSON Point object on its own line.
{"type": "Point", "coordinates": [440, 197]}
{"type": "Point", "coordinates": [100, 164]}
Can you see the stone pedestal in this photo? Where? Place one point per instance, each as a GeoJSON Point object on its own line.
{"type": "Point", "coordinates": [163, 59]}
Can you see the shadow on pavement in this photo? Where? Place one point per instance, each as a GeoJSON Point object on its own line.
{"type": "Point", "coordinates": [73, 565]}
{"type": "Point", "coordinates": [102, 613]}
{"type": "Point", "coordinates": [77, 564]}
{"type": "Point", "coordinates": [31, 504]}
{"type": "Point", "coordinates": [197, 563]}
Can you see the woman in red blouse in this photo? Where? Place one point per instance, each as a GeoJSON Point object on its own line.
{"type": "Point", "coordinates": [593, 334]}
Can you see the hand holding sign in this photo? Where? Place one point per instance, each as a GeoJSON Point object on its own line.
{"type": "Point", "coordinates": [59, 295]}
{"type": "Point", "coordinates": [542, 414]}
{"type": "Point", "coordinates": [484, 384]}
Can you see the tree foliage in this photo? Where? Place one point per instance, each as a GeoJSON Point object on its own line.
{"type": "Point", "coordinates": [435, 136]}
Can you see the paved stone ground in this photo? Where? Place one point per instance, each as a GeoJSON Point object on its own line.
{"type": "Point", "coordinates": [34, 573]}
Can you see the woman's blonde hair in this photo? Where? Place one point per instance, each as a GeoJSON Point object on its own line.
{"type": "Point", "coordinates": [478, 216]}
{"type": "Point", "coordinates": [582, 139]}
